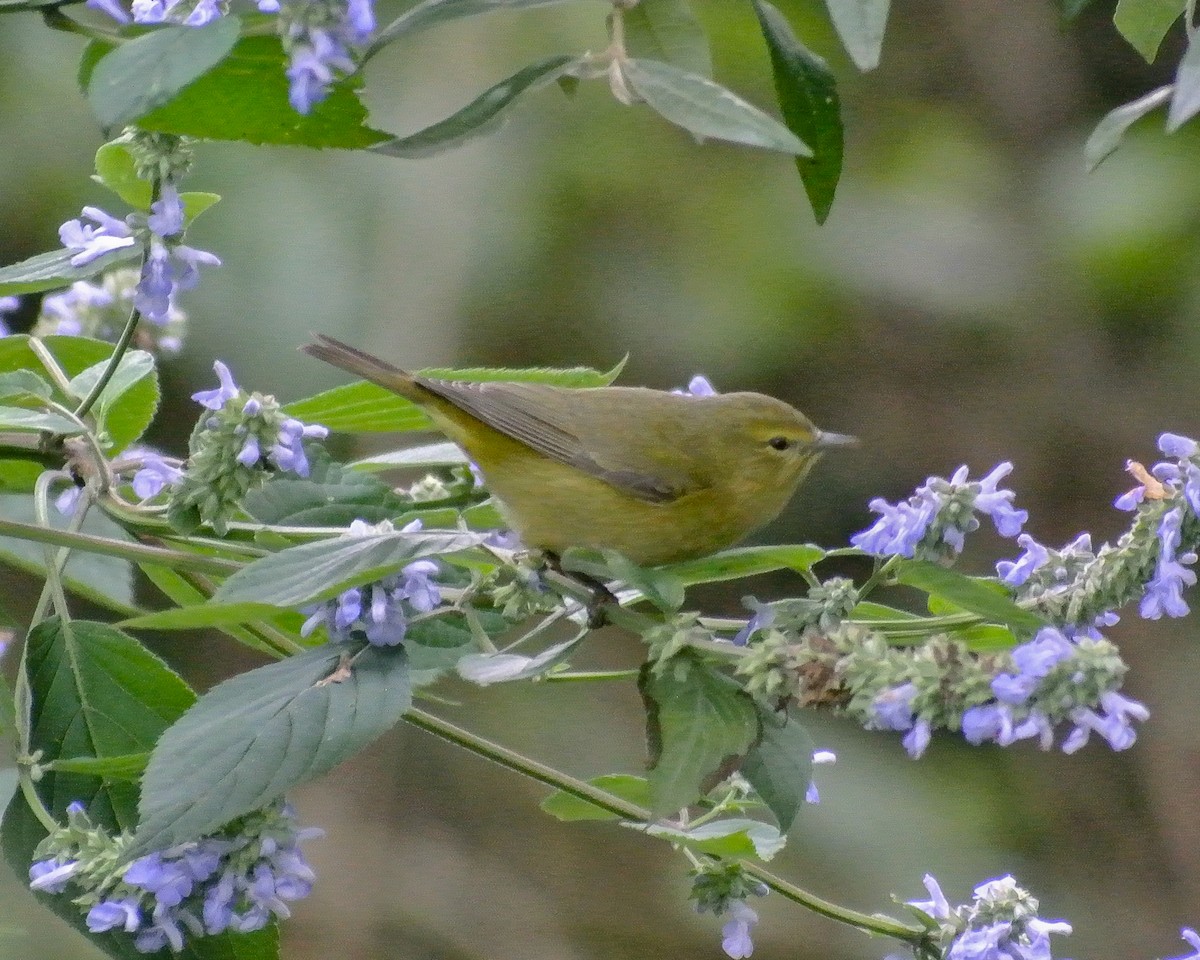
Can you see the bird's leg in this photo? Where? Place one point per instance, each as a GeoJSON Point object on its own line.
{"type": "Point", "coordinates": [600, 595]}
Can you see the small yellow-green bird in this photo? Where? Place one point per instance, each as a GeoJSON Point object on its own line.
{"type": "Point", "coordinates": [656, 476]}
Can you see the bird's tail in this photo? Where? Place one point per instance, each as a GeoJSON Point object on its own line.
{"type": "Point", "coordinates": [359, 362]}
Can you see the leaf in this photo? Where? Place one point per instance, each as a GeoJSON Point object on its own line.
{"type": "Point", "coordinates": [569, 808]}
{"type": "Point", "coordinates": [252, 738]}
{"type": "Point", "coordinates": [442, 454]}
{"type": "Point", "coordinates": [735, 837]}
{"type": "Point", "coordinates": [126, 767]}
{"type": "Point", "coordinates": [18, 383]}
{"type": "Point", "coordinates": [366, 408]}
{"type": "Point", "coordinates": [133, 366]}
{"type": "Point", "coordinates": [195, 202]}
{"type": "Point", "coordinates": [661, 587]}
{"type": "Point", "coordinates": [667, 30]}
{"type": "Point", "coordinates": [779, 766]}
{"type": "Point", "coordinates": [808, 99]}
{"type": "Point", "coordinates": [984, 597]}
{"type": "Point", "coordinates": [21, 419]}
{"type": "Point", "coordinates": [1144, 23]}
{"type": "Point", "coordinates": [869, 610]}
{"type": "Point", "coordinates": [117, 170]}
{"type": "Point", "coordinates": [432, 12]}
{"type": "Point", "coordinates": [245, 98]}
{"type": "Point", "coordinates": [1111, 130]}
{"type": "Point", "coordinates": [332, 495]}
{"type": "Point", "coordinates": [200, 615]}
{"type": "Point", "coordinates": [697, 719]}
{"type": "Point", "coordinates": [745, 562]}
{"type": "Point", "coordinates": [860, 24]}
{"type": "Point", "coordinates": [97, 692]}
{"type": "Point", "coordinates": [317, 571]}
{"type": "Point", "coordinates": [707, 109]}
{"type": "Point", "coordinates": [48, 271]}
{"type": "Point", "coordinates": [149, 71]}
{"type": "Point", "coordinates": [485, 114]}
{"type": "Point", "coordinates": [485, 669]}
{"type": "Point", "coordinates": [986, 638]}
{"type": "Point", "coordinates": [1185, 101]}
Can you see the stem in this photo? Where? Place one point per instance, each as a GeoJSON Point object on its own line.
{"type": "Point", "coordinates": [578, 676]}
{"type": "Point", "coordinates": [880, 574]}
{"type": "Point", "coordinates": [35, 802]}
{"type": "Point", "coordinates": [582, 790]}
{"type": "Point", "coordinates": [61, 380]}
{"type": "Point", "coordinates": [138, 553]}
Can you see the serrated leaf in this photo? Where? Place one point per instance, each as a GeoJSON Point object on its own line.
{"type": "Point", "coordinates": [1185, 101]}
{"type": "Point", "coordinates": [254, 737]}
{"type": "Point", "coordinates": [860, 24]}
{"type": "Point", "coordinates": [779, 767]}
{"type": "Point", "coordinates": [117, 170]}
{"type": "Point", "coordinates": [485, 669]}
{"type": "Point", "coordinates": [735, 837]}
{"type": "Point", "coordinates": [707, 109]}
{"type": "Point", "coordinates": [149, 71]}
{"type": "Point", "coordinates": [1144, 23]}
{"type": "Point", "coordinates": [570, 808]}
{"type": "Point", "coordinates": [48, 271]}
{"type": "Point", "coordinates": [245, 98]}
{"type": "Point", "coordinates": [667, 30]}
{"type": "Point", "coordinates": [485, 114]}
{"type": "Point", "coordinates": [1111, 130]}
{"type": "Point", "coordinates": [317, 571]}
{"type": "Point", "coordinates": [808, 99]}
{"type": "Point", "coordinates": [428, 455]}
{"type": "Point", "coordinates": [697, 720]}
{"type": "Point", "coordinates": [134, 365]}
{"type": "Point", "coordinates": [745, 562]}
{"type": "Point", "coordinates": [984, 597]}
{"type": "Point", "coordinates": [332, 495]}
{"type": "Point", "coordinates": [432, 12]}
{"type": "Point", "coordinates": [97, 692]}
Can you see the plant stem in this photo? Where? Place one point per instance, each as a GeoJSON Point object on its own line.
{"type": "Point", "coordinates": [35, 802]}
{"type": "Point", "coordinates": [579, 676]}
{"type": "Point", "coordinates": [137, 552]}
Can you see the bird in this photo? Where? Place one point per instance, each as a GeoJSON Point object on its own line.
{"type": "Point", "coordinates": [657, 476]}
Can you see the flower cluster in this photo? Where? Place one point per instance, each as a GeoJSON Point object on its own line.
{"type": "Point", "coordinates": [190, 13]}
{"type": "Point", "coordinates": [379, 612]}
{"type": "Point", "coordinates": [99, 310]}
{"type": "Point", "coordinates": [722, 888]}
{"type": "Point", "coordinates": [236, 881]}
{"type": "Point", "coordinates": [242, 440]}
{"type": "Point", "coordinates": [1001, 921]}
{"type": "Point", "coordinates": [932, 524]}
{"type": "Point", "coordinates": [1080, 588]}
{"type": "Point", "coordinates": [170, 266]}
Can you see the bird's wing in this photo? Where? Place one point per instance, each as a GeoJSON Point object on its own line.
{"type": "Point", "coordinates": [521, 411]}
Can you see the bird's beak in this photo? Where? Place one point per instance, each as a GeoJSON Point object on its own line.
{"type": "Point", "coordinates": [824, 440]}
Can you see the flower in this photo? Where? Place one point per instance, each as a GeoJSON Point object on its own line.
{"type": "Point", "coordinates": [111, 914]}
{"type": "Point", "coordinates": [91, 243]}
{"type": "Point", "coordinates": [216, 399]}
{"type": "Point", "coordinates": [1114, 724]}
{"type": "Point", "coordinates": [735, 935]}
{"type": "Point", "coordinates": [154, 475]}
{"type": "Point", "coordinates": [892, 709]}
{"type": "Point", "coordinates": [288, 451]}
{"type": "Point", "coordinates": [310, 71]}
{"type": "Point", "coordinates": [764, 616]}
{"type": "Point", "coordinates": [51, 876]}
{"type": "Point", "coordinates": [819, 758]}
{"type": "Point", "coordinates": [698, 386]}
{"type": "Point", "coordinates": [1034, 661]}
{"type": "Point", "coordinates": [1015, 573]}
{"type": "Point", "coordinates": [1193, 939]}
{"type": "Point", "coordinates": [937, 906]}
{"type": "Point", "coordinates": [7, 305]}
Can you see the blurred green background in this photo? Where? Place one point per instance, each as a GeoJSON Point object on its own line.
{"type": "Point", "coordinates": [975, 297]}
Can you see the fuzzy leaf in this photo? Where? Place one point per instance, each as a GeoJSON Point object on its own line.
{"type": "Point", "coordinates": [861, 25]}
{"type": "Point", "coordinates": [668, 30]}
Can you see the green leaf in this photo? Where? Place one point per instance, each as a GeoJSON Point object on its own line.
{"type": "Point", "coordinates": [97, 692]}
{"type": "Point", "coordinates": [117, 170]}
{"type": "Point", "coordinates": [1111, 130]}
{"type": "Point", "coordinates": [661, 587]}
{"type": "Point", "coordinates": [331, 496]}
{"type": "Point", "coordinates": [808, 99]}
{"type": "Point", "coordinates": [252, 738]}
{"type": "Point", "coordinates": [432, 12]}
{"type": "Point", "coordinates": [1185, 101]}
{"type": "Point", "coordinates": [569, 808]}
{"type": "Point", "coordinates": [134, 365]}
{"type": "Point", "coordinates": [48, 271]}
{"type": "Point", "coordinates": [735, 837]}
{"type": "Point", "coordinates": [428, 455]}
{"type": "Point", "coordinates": [126, 767]}
{"type": "Point", "coordinates": [1144, 23]}
{"type": "Point", "coordinates": [485, 669]}
{"type": "Point", "coordinates": [986, 638]}
{"type": "Point", "coordinates": [201, 615]}
{"type": "Point", "coordinates": [317, 571]}
{"type": "Point", "coordinates": [366, 408]}
{"type": "Point", "coordinates": [870, 610]}
{"type": "Point", "coordinates": [707, 109]}
{"type": "Point", "coordinates": [149, 71]}
{"type": "Point", "coordinates": [985, 597]}
{"type": "Point", "coordinates": [745, 562]}
{"type": "Point", "coordinates": [21, 419]}
{"type": "Point", "coordinates": [779, 766]}
{"type": "Point", "coordinates": [245, 98]}
{"type": "Point", "coordinates": [860, 24]}
{"type": "Point", "coordinates": [195, 202]}
{"type": "Point", "coordinates": [667, 30]}
{"type": "Point", "coordinates": [485, 114]}
{"type": "Point", "coordinates": [18, 383]}
{"type": "Point", "coordinates": [697, 721]}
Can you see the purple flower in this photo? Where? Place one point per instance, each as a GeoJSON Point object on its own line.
{"type": "Point", "coordinates": [311, 70]}
{"type": "Point", "coordinates": [899, 528]}
{"type": "Point", "coordinates": [268, 6]}
{"type": "Point", "coordinates": [1034, 660]}
{"type": "Point", "coordinates": [7, 305]}
{"type": "Point", "coordinates": [764, 616]}
{"type": "Point", "coordinates": [1016, 572]}
{"type": "Point", "coordinates": [892, 708]}
{"type": "Point", "coordinates": [216, 399]}
{"type": "Point", "coordinates": [66, 501]}
{"type": "Point", "coordinates": [168, 880]}
{"type": "Point", "coordinates": [150, 11]}
{"type": "Point", "coordinates": [937, 906]}
{"type": "Point", "coordinates": [698, 386]}
{"type": "Point", "coordinates": [91, 243]}
{"type": "Point", "coordinates": [1174, 445]}
{"type": "Point", "coordinates": [154, 290]}
{"type": "Point", "coordinates": [111, 914]}
{"type": "Point", "coordinates": [997, 504]}
{"type": "Point", "coordinates": [1193, 940]}
{"type": "Point", "coordinates": [154, 475]}
{"type": "Point", "coordinates": [204, 12]}
{"type": "Point", "coordinates": [288, 451]}
{"type": "Point", "coordinates": [111, 7]}
{"type": "Point", "coordinates": [981, 943]}
{"type": "Point", "coordinates": [917, 739]}
{"type": "Point", "coordinates": [51, 876]}
{"type": "Point", "coordinates": [420, 591]}
{"type": "Point", "coordinates": [1164, 591]}
{"type": "Point", "coordinates": [1114, 725]}
{"type": "Point", "coordinates": [735, 935]}
{"type": "Point", "coordinates": [819, 758]}
{"type": "Point", "coordinates": [986, 722]}
{"type": "Point", "coordinates": [360, 20]}
{"type": "Point", "coordinates": [166, 213]}
{"type": "Point", "coordinates": [250, 452]}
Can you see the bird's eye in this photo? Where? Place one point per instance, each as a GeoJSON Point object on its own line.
{"type": "Point", "coordinates": [779, 443]}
